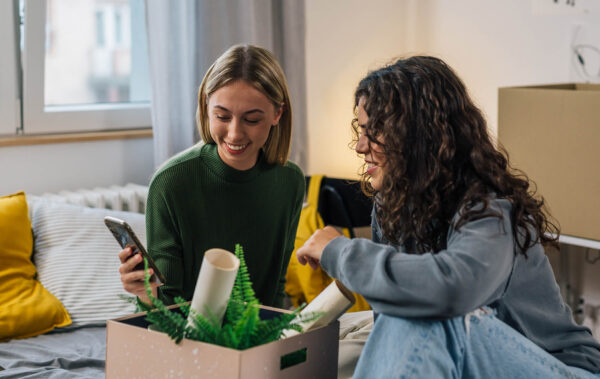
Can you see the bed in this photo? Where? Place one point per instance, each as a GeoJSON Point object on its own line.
{"type": "Point", "coordinates": [75, 259]}
{"type": "Point", "coordinates": [72, 353]}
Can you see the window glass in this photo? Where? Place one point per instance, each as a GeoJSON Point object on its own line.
{"type": "Point", "coordinates": [89, 54]}
{"type": "Point", "coordinates": [9, 87]}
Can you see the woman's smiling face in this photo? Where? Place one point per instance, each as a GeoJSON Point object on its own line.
{"type": "Point", "coordinates": [240, 119]}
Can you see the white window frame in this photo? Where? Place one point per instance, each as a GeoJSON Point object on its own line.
{"type": "Point", "coordinates": [10, 112]}
{"type": "Point", "coordinates": [37, 118]}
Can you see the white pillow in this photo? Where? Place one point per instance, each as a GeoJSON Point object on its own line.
{"type": "Point", "coordinates": [77, 258]}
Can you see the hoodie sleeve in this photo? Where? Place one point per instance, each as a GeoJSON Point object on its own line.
{"type": "Point", "coordinates": [471, 272]}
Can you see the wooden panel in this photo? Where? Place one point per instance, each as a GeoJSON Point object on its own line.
{"type": "Point", "coordinates": [74, 137]}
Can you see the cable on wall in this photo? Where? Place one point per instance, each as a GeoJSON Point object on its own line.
{"type": "Point", "coordinates": [581, 53]}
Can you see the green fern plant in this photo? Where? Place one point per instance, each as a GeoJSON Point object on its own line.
{"type": "Point", "coordinates": [242, 327]}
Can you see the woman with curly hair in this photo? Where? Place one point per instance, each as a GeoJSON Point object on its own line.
{"type": "Point", "coordinates": [456, 271]}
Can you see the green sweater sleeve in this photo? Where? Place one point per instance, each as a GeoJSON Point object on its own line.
{"type": "Point", "coordinates": [289, 248]}
{"type": "Point", "coordinates": [163, 244]}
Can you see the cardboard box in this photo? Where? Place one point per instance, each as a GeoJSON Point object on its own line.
{"type": "Point", "coordinates": [133, 351]}
{"type": "Point", "coordinates": [552, 133]}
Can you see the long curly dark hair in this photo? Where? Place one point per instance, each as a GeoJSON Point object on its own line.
{"type": "Point", "coordinates": [440, 159]}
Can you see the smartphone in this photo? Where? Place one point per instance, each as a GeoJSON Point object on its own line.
{"type": "Point", "coordinates": [127, 238]}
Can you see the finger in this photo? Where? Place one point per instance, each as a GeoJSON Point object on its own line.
{"type": "Point", "coordinates": [300, 257]}
{"type": "Point", "coordinates": [136, 276]}
{"type": "Point", "coordinates": [301, 260]}
{"type": "Point", "coordinates": [133, 261]}
{"type": "Point", "coordinates": [124, 254]}
{"type": "Point", "coordinates": [314, 264]}
{"type": "Point", "coordinates": [131, 285]}
{"type": "Point", "coordinates": [130, 265]}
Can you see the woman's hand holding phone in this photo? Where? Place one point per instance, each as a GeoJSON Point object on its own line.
{"type": "Point", "coordinates": [131, 257]}
{"type": "Point", "coordinates": [132, 279]}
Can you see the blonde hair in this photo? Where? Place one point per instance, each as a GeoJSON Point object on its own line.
{"type": "Point", "coordinates": [259, 68]}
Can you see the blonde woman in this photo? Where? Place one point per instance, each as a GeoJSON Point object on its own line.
{"type": "Point", "coordinates": [237, 187]}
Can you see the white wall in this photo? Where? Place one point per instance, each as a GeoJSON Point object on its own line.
{"type": "Point", "coordinates": [493, 44]}
{"type": "Point", "coordinates": [37, 169]}
{"type": "Point", "coordinates": [489, 43]}
{"type": "Point", "coordinates": [344, 39]}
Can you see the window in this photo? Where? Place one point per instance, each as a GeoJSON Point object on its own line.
{"type": "Point", "coordinates": [9, 96]}
{"type": "Point", "coordinates": [81, 69]}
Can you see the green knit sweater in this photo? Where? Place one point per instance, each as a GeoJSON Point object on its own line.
{"type": "Point", "coordinates": [196, 202]}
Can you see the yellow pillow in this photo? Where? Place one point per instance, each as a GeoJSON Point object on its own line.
{"type": "Point", "coordinates": [26, 307]}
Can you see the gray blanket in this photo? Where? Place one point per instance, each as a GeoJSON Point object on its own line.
{"type": "Point", "coordinates": [69, 353]}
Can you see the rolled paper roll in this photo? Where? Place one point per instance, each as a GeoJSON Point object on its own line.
{"type": "Point", "coordinates": [215, 282]}
{"type": "Point", "coordinates": [333, 302]}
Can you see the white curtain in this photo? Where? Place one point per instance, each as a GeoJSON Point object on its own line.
{"type": "Point", "coordinates": [186, 36]}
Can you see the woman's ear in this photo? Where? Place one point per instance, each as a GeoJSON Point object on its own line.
{"type": "Point", "coordinates": [278, 113]}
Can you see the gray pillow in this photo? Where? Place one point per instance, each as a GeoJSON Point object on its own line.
{"type": "Point", "coordinates": [77, 260]}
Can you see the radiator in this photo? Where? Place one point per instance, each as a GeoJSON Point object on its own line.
{"type": "Point", "coordinates": [130, 197]}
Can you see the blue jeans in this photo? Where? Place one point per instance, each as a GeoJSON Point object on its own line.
{"type": "Point", "coordinates": [474, 346]}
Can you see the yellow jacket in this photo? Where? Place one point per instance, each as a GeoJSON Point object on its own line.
{"type": "Point", "coordinates": [303, 283]}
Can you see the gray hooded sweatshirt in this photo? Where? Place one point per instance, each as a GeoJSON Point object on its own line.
{"type": "Point", "coordinates": [479, 267]}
